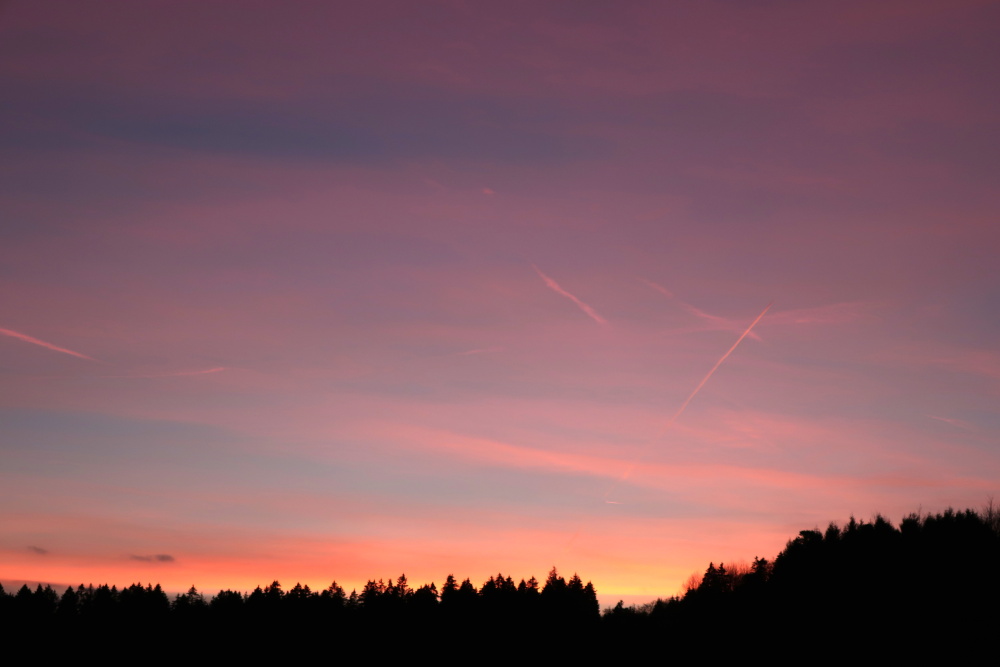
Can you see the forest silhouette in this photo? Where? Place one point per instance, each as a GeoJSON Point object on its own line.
{"type": "Point", "coordinates": [863, 588]}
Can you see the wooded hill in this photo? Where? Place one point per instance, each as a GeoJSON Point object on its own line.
{"type": "Point", "coordinates": [932, 582]}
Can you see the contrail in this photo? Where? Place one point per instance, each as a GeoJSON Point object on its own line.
{"type": "Point", "coordinates": [554, 286]}
{"type": "Point", "coordinates": [29, 339]}
{"type": "Point", "coordinates": [720, 322]}
{"type": "Point", "coordinates": [691, 396]}
{"type": "Point", "coordinates": [715, 368]}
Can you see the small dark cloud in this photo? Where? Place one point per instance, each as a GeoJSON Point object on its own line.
{"type": "Point", "coordinates": [159, 558]}
{"type": "Point", "coordinates": [38, 550]}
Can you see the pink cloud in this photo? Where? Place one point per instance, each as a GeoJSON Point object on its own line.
{"type": "Point", "coordinates": [975, 362]}
{"type": "Point", "coordinates": [208, 371]}
{"type": "Point", "coordinates": [958, 423]}
{"type": "Point", "coordinates": [836, 313]}
{"type": "Point", "coordinates": [482, 350]}
{"type": "Point", "coordinates": [650, 473]}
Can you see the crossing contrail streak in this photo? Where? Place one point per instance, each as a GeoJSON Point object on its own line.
{"type": "Point", "coordinates": [29, 339]}
{"type": "Point", "coordinates": [714, 368]}
{"type": "Point", "coordinates": [680, 410]}
{"type": "Point", "coordinates": [719, 322]}
{"type": "Point", "coordinates": [554, 286]}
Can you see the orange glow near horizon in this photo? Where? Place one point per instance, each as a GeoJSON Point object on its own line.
{"type": "Point", "coordinates": [354, 564]}
{"type": "Point", "coordinates": [300, 324]}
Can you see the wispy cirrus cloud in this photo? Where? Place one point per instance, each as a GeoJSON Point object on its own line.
{"type": "Point", "coordinates": [957, 423]}
{"type": "Point", "coordinates": [35, 341]}
{"type": "Point", "coordinates": [482, 350]}
{"type": "Point", "coordinates": [554, 286]}
{"type": "Point", "coordinates": [657, 474]}
{"type": "Point", "coordinates": [207, 371]}
{"type": "Point", "coordinates": [835, 313]}
{"type": "Point", "coordinates": [946, 357]}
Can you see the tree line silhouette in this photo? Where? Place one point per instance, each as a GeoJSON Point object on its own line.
{"type": "Point", "coordinates": [498, 598]}
{"type": "Point", "coordinates": [867, 587]}
{"type": "Point", "coordinates": [932, 581]}
{"type": "Point", "coordinates": [142, 614]}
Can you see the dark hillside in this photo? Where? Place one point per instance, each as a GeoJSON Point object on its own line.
{"type": "Point", "coordinates": [864, 588]}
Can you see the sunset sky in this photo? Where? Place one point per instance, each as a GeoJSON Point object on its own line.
{"type": "Point", "coordinates": [341, 290]}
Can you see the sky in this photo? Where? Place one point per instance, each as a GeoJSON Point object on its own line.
{"type": "Point", "coordinates": [321, 291]}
